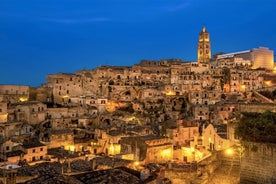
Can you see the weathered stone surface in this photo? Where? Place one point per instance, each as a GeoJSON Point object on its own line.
{"type": "Point", "coordinates": [258, 163]}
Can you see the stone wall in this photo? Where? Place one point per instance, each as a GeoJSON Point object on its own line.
{"type": "Point", "coordinates": [257, 107]}
{"type": "Point", "coordinates": [258, 163]}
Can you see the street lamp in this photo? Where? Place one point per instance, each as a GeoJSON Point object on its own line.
{"type": "Point", "coordinates": [136, 163]}
{"type": "Point", "coordinates": [229, 151]}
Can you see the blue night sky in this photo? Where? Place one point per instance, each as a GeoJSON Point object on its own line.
{"type": "Point", "coordinates": [40, 37]}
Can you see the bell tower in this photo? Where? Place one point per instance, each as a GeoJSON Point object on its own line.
{"type": "Point", "coordinates": [204, 47]}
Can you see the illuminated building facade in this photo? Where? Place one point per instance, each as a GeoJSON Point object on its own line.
{"type": "Point", "coordinates": [262, 58]}
{"type": "Point", "coordinates": [204, 47]}
{"type": "Point", "coordinates": [30, 111]}
{"type": "Point", "coordinates": [149, 149]}
{"type": "Point", "coordinates": [3, 112]}
{"type": "Point", "coordinates": [14, 93]}
{"type": "Point", "coordinates": [259, 58]}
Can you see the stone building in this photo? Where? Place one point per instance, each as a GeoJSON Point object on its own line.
{"type": "Point", "coordinates": [8, 154]}
{"type": "Point", "coordinates": [259, 57]}
{"type": "Point", "coordinates": [204, 46]}
{"type": "Point", "coordinates": [124, 111]}
{"type": "Point", "coordinates": [16, 129]}
{"type": "Point", "coordinates": [14, 93]}
{"type": "Point", "coordinates": [246, 80]}
{"type": "Point", "coordinates": [148, 149]}
{"type": "Point", "coordinates": [106, 142]}
{"type": "Point", "coordinates": [223, 112]}
{"type": "Point", "coordinates": [212, 141]}
{"type": "Point", "coordinates": [205, 97]}
{"type": "Point", "coordinates": [32, 111]}
{"type": "Point", "coordinates": [3, 112]}
{"type": "Point", "coordinates": [64, 86]}
{"type": "Point", "coordinates": [201, 112]}
{"type": "Point", "coordinates": [29, 150]}
{"type": "Point", "coordinates": [42, 93]}
{"type": "Point", "coordinates": [183, 133]}
{"type": "Point", "coordinates": [34, 151]}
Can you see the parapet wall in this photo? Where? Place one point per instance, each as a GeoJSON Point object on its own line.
{"type": "Point", "coordinates": [257, 107]}
{"type": "Point", "coordinates": [258, 163]}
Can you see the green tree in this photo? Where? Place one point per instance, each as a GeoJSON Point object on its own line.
{"type": "Point", "coordinates": [257, 127]}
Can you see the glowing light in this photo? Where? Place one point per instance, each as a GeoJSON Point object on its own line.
{"type": "Point", "coordinates": [198, 155]}
{"type": "Point", "coordinates": [3, 117]}
{"type": "Point", "coordinates": [187, 150]}
{"type": "Point", "coordinates": [128, 156]}
{"type": "Point", "coordinates": [170, 93]}
{"type": "Point", "coordinates": [111, 149]}
{"type": "Point", "coordinates": [72, 148]}
{"type": "Point", "coordinates": [23, 99]}
{"type": "Point", "coordinates": [65, 96]}
{"type": "Point", "coordinates": [268, 83]}
{"type": "Point", "coordinates": [6, 115]}
{"type": "Point", "coordinates": [111, 106]}
{"type": "Point", "coordinates": [136, 163]}
{"type": "Point", "coordinates": [81, 147]}
{"type": "Point", "coordinates": [166, 153]}
{"type": "Point", "coordinates": [229, 151]}
{"type": "Point", "coordinates": [114, 149]}
{"type": "Point", "coordinates": [131, 118]}
{"type": "Point", "coordinates": [243, 87]}
{"type": "Point", "coordinates": [94, 144]}
{"type": "Point", "coordinates": [117, 148]}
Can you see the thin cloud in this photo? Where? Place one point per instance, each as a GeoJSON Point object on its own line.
{"type": "Point", "coordinates": [78, 21]}
{"type": "Point", "coordinates": [178, 7]}
{"type": "Point", "coordinates": [56, 20]}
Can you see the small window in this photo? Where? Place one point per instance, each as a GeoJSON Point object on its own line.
{"type": "Point", "coordinates": [33, 150]}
